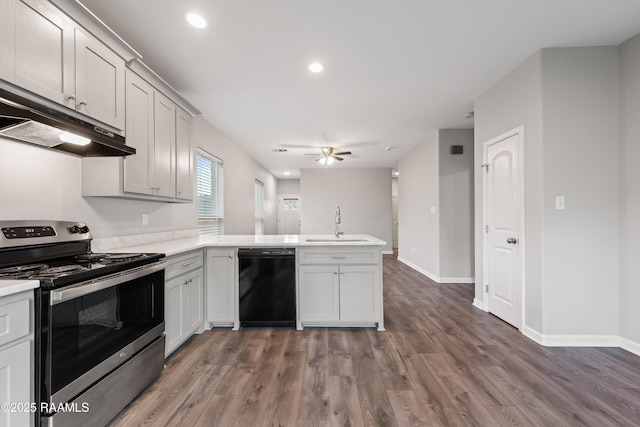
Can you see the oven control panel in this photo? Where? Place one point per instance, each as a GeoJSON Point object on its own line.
{"type": "Point", "coordinates": [26, 232]}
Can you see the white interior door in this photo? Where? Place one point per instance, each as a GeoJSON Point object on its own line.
{"type": "Point", "coordinates": [289, 214]}
{"type": "Point", "coordinates": [502, 227]}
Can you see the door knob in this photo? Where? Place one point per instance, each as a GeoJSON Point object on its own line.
{"type": "Point", "coordinates": [512, 240]}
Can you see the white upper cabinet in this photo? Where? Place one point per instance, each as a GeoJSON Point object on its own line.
{"type": "Point", "coordinates": [184, 155]}
{"type": "Point", "coordinates": [138, 169]}
{"type": "Point", "coordinates": [164, 154]}
{"type": "Point", "coordinates": [46, 53]}
{"type": "Point", "coordinates": [99, 81]}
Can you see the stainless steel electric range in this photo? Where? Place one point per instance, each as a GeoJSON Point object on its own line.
{"type": "Point", "coordinates": [99, 320]}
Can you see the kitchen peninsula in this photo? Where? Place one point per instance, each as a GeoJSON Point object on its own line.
{"type": "Point", "coordinates": [338, 280]}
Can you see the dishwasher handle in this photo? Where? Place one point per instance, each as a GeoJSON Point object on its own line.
{"type": "Point", "coordinates": [266, 252]}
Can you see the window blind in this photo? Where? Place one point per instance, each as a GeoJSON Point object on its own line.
{"type": "Point", "coordinates": [259, 204]}
{"type": "Point", "coordinates": [210, 189]}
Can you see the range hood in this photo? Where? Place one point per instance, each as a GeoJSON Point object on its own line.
{"type": "Point", "coordinates": [27, 121]}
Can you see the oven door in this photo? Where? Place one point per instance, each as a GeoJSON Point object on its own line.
{"type": "Point", "coordinates": [91, 328]}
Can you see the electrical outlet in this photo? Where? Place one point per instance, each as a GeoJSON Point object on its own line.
{"type": "Point", "coordinates": [560, 205]}
{"type": "Point", "coordinates": [145, 219]}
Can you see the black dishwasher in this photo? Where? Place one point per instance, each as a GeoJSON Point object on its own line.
{"type": "Point", "coordinates": [267, 287]}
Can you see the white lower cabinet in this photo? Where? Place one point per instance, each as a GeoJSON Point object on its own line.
{"type": "Point", "coordinates": [340, 288]}
{"type": "Point", "coordinates": [221, 287]}
{"type": "Point", "coordinates": [16, 354]}
{"type": "Point", "coordinates": [184, 298]}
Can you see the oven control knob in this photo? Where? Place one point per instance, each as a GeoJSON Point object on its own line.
{"type": "Point", "coordinates": [84, 229]}
{"type": "Point", "coordinates": [74, 229]}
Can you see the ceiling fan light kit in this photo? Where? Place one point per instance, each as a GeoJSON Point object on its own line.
{"type": "Point", "coordinates": [328, 155]}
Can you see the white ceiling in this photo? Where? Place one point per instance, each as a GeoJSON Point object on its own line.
{"type": "Point", "coordinates": [395, 71]}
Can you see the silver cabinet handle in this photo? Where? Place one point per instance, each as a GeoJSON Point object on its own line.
{"type": "Point", "coordinates": [83, 102]}
{"type": "Point", "coordinates": [512, 240]}
{"type": "Point", "coordinates": [70, 98]}
{"type": "Point", "coordinates": [187, 264]}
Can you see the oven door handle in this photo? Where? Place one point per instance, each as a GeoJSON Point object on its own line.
{"type": "Point", "coordinates": [90, 286]}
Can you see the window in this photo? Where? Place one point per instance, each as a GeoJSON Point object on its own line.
{"type": "Point", "coordinates": [210, 189]}
{"type": "Point", "coordinates": [259, 204]}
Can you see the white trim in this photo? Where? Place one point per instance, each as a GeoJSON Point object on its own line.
{"type": "Point", "coordinates": [463, 280]}
{"type": "Point", "coordinates": [479, 304]}
{"type": "Point", "coordinates": [387, 252]}
{"type": "Point", "coordinates": [630, 346]}
{"type": "Point", "coordinates": [582, 340]}
{"type": "Point", "coordinates": [520, 131]}
{"type": "Point", "coordinates": [435, 278]}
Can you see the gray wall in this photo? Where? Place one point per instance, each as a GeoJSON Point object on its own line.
{"type": "Point", "coordinates": [288, 186]}
{"type": "Point", "coordinates": [418, 232]}
{"type": "Point", "coordinates": [580, 138]}
{"type": "Point", "coordinates": [438, 243]}
{"type": "Point", "coordinates": [364, 196]}
{"type": "Point", "coordinates": [456, 205]}
{"type": "Point", "coordinates": [39, 183]}
{"type": "Point", "coordinates": [630, 189]}
{"type": "Point", "coordinates": [240, 173]}
{"type": "Point", "coordinates": [514, 101]}
{"type": "Point", "coordinates": [567, 99]}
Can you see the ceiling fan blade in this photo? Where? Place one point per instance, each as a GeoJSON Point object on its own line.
{"type": "Point", "coordinates": [343, 153]}
{"type": "Point", "coordinates": [310, 154]}
{"type": "Point", "coordinates": [320, 158]}
{"type": "Point", "coordinates": [337, 158]}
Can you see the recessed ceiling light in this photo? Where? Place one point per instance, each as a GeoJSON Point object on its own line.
{"type": "Point", "coordinates": [196, 20]}
{"type": "Point", "coordinates": [316, 67]}
{"type": "Point", "coordinates": [287, 173]}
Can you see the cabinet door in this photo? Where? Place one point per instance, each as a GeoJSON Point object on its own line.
{"type": "Point", "coordinates": [221, 286]}
{"type": "Point", "coordinates": [8, 40]}
{"type": "Point", "coordinates": [360, 293]}
{"type": "Point", "coordinates": [139, 130]}
{"type": "Point", "coordinates": [44, 51]}
{"type": "Point", "coordinates": [319, 297]}
{"type": "Point", "coordinates": [15, 378]}
{"type": "Point", "coordinates": [184, 155]}
{"type": "Point", "coordinates": [174, 304]}
{"type": "Point", "coordinates": [100, 84]}
{"type": "Point", "coordinates": [164, 154]}
{"type": "Point", "coordinates": [193, 300]}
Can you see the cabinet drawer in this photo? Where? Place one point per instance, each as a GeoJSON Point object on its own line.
{"type": "Point", "coordinates": [182, 264]}
{"type": "Point", "coordinates": [14, 320]}
{"type": "Point", "coordinates": [338, 256]}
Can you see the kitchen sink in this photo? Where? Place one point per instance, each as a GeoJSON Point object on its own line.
{"type": "Point", "coordinates": [336, 240]}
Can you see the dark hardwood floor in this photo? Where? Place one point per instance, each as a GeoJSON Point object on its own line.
{"type": "Point", "coordinates": [440, 362]}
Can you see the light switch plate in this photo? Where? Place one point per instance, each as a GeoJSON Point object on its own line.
{"type": "Point", "coordinates": [560, 205]}
{"type": "Point", "coordinates": [433, 209]}
{"type": "Point", "coordinates": [145, 219]}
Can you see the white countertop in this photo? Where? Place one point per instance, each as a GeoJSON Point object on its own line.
{"type": "Point", "coordinates": [11, 286]}
{"type": "Point", "coordinates": [178, 246]}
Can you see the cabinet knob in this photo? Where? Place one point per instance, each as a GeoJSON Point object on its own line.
{"type": "Point", "coordinates": [83, 102]}
{"type": "Point", "coordinates": [335, 272]}
{"type": "Point", "coordinates": [70, 98]}
{"type": "Point", "coordinates": [230, 256]}
{"type": "Point", "coordinates": [341, 272]}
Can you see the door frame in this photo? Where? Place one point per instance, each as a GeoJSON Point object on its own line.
{"type": "Point", "coordinates": [520, 132]}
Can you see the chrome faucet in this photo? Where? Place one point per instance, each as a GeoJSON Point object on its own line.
{"type": "Point", "coordinates": [338, 232]}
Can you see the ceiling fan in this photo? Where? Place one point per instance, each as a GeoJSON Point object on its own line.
{"type": "Point", "coordinates": [328, 155]}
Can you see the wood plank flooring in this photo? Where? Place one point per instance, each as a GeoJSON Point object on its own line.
{"type": "Point", "coordinates": [441, 362]}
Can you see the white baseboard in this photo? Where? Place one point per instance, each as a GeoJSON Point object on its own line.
{"type": "Point", "coordinates": [387, 252]}
{"type": "Point", "coordinates": [581, 340]}
{"type": "Point", "coordinates": [630, 346]}
{"type": "Point", "coordinates": [434, 277]}
{"type": "Point", "coordinates": [479, 304]}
